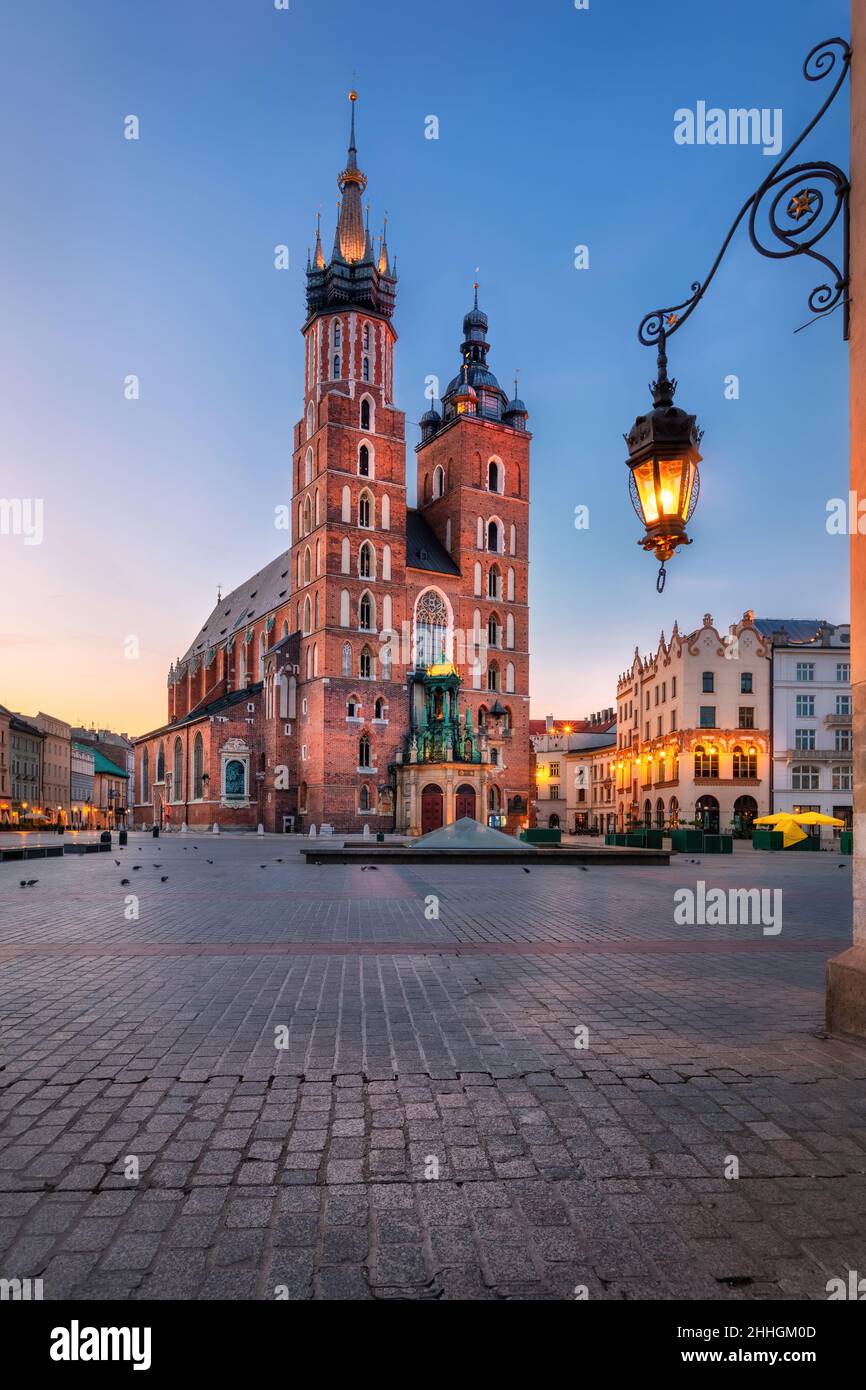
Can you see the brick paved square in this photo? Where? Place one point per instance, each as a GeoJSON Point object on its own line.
{"type": "Point", "coordinates": [431, 1130]}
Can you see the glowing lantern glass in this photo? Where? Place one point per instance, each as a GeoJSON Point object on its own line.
{"type": "Point", "coordinates": [663, 460]}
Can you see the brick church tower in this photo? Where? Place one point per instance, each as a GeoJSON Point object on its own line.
{"type": "Point", "coordinates": [376, 674]}
{"type": "Point", "coordinates": [349, 519]}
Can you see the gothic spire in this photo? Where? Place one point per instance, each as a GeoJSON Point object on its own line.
{"type": "Point", "coordinates": [350, 227]}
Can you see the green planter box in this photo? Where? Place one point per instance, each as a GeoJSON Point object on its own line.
{"type": "Point", "coordinates": [846, 842]}
{"type": "Point", "coordinates": [719, 844]}
{"type": "Point", "coordinates": [620, 838]}
{"type": "Point", "coordinates": [687, 840]}
{"type": "Point", "coordinates": [541, 837]}
{"type": "Point", "coordinates": [610, 838]}
{"type": "Point", "coordinates": [768, 839]}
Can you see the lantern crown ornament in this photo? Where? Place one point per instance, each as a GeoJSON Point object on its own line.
{"type": "Point", "coordinates": [664, 481]}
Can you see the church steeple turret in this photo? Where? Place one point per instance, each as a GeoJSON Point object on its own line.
{"type": "Point", "coordinates": [353, 277]}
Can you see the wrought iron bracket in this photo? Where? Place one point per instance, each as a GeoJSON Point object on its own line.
{"type": "Point", "coordinates": [812, 196]}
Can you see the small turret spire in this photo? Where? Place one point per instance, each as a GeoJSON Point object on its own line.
{"type": "Point", "coordinates": [318, 258]}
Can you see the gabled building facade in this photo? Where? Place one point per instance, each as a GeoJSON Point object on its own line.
{"type": "Point", "coordinates": [693, 732]}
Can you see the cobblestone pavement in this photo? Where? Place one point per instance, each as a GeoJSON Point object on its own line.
{"type": "Point", "coordinates": [415, 1046]}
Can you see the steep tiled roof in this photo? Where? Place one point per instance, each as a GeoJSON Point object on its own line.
{"type": "Point", "coordinates": [797, 629]}
{"type": "Point", "coordinates": [201, 712]}
{"type": "Point", "coordinates": [260, 594]}
{"type": "Point", "coordinates": [423, 550]}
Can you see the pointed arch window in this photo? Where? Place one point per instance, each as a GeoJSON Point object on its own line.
{"type": "Point", "coordinates": [364, 798]}
{"type": "Point", "coordinates": [307, 615]}
{"type": "Point", "coordinates": [494, 537]}
{"type": "Point", "coordinates": [346, 666]}
{"type": "Point", "coordinates": [494, 630]}
{"type": "Point", "coordinates": [379, 708]}
{"type": "Point", "coordinates": [367, 564]}
{"type": "Point", "coordinates": [308, 517]}
{"type": "Point", "coordinates": [438, 480]}
{"type": "Point", "coordinates": [364, 461]}
{"type": "Point", "coordinates": [365, 511]}
{"type": "Point", "coordinates": [145, 775]}
{"type": "Point", "coordinates": [431, 628]}
{"type": "Point", "coordinates": [365, 613]}
{"type": "Point", "coordinates": [336, 366]}
{"type": "Point", "coordinates": [365, 414]}
{"type": "Point", "coordinates": [365, 369]}
{"type": "Point", "coordinates": [493, 582]}
{"type": "Point", "coordinates": [366, 336]}
{"type": "Point", "coordinates": [493, 676]}
{"type": "Point", "coordinates": [364, 751]}
{"type": "Point", "coordinates": [366, 664]}
{"type": "Point", "coordinates": [198, 768]}
{"type": "Point", "coordinates": [160, 763]}
{"type": "Point", "coordinates": [177, 780]}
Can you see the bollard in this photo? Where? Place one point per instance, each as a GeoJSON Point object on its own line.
{"type": "Point", "coordinates": [122, 837]}
{"type": "Point", "coordinates": [155, 832]}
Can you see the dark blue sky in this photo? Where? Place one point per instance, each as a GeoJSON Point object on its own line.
{"type": "Point", "coordinates": [556, 128]}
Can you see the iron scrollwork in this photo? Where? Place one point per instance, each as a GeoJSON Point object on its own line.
{"type": "Point", "coordinates": [811, 196]}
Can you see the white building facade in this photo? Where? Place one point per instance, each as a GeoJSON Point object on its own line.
{"type": "Point", "coordinates": [812, 719]}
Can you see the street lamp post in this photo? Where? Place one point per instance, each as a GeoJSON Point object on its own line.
{"type": "Point", "coordinates": [807, 200]}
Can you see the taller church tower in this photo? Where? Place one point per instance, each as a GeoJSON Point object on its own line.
{"type": "Point", "coordinates": [349, 521]}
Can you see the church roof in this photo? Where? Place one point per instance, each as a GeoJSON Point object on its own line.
{"type": "Point", "coordinates": [261, 593]}
{"type": "Point", "coordinates": [201, 712]}
{"type": "Point", "coordinates": [423, 550]}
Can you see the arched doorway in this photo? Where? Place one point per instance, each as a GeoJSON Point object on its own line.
{"type": "Point", "coordinates": [432, 805]}
{"type": "Point", "coordinates": [465, 802]}
{"type": "Point", "coordinates": [707, 814]}
{"type": "Point", "coordinates": [660, 814]}
{"type": "Point", "coordinates": [553, 822]}
{"type": "Point", "coordinates": [648, 814]}
{"type": "Point", "coordinates": [745, 810]}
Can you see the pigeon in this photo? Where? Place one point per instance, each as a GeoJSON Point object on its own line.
{"type": "Point", "coordinates": [263, 866]}
{"type": "Point", "coordinates": [584, 869]}
{"type": "Point", "coordinates": [195, 846]}
{"type": "Point", "coordinates": [31, 881]}
{"type": "Point", "coordinates": [135, 868]}
{"type": "Point", "coordinates": [163, 878]}
{"type": "Point", "coordinates": [524, 868]}
{"type": "Point", "coordinates": [23, 883]}
{"type": "Point", "coordinates": [124, 883]}
{"type": "Point", "coordinates": [210, 861]}
{"type": "Point", "coordinates": [279, 861]}
{"type": "Point", "coordinates": [117, 862]}
{"type": "Point", "coordinates": [157, 866]}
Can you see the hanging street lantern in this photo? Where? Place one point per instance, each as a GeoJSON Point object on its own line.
{"type": "Point", "coordinates": [792, 209]}
{"type": "Point", "coordinates": [664, 481]}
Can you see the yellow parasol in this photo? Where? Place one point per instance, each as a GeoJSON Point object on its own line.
{"type": "Point", "coordinates": [816, 818]}
{"type": "Point", "coordinates": [785, 822]}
